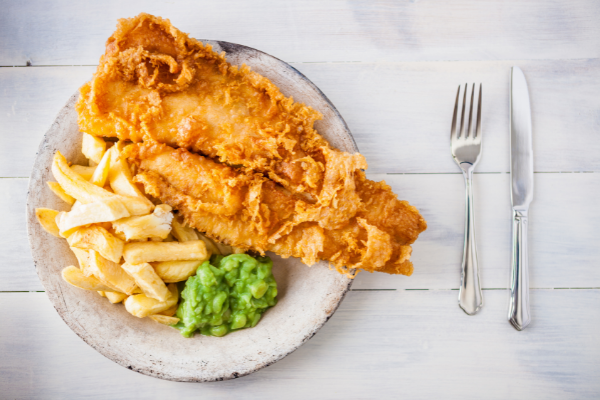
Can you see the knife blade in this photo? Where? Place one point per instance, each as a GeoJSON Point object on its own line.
{"type": "Point", "coordinates": [521, 174]}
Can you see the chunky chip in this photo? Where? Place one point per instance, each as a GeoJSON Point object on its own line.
{"type": "Point", "coordinates": [83, 258]}
{"type": "Point", "coordinates": [115, 297]}
{"type": "Point", "coordinates": [85, 172]}
{"type": "Point", "coordinates": [106, 210]}
{"type": "Point", "coordinates": [147, 280]}
{"type": "Point", "coordinates": [163, 319]}
{"type": "Point", "coordinates": [47, 218]}
{"type": "Point", "coordinates": [170, 312]}
{"type": "Point", "coordinates": [101, 172]}
{"type": "Point", "coordinates": [210, 245]}
{"type": "Point", "coordinates": [111, 273]}
{"type": "Point", "coordinates": [86, 192]}
{"type": "Point", "coordinates": [153, 226]}
{"type": "Point", "coordinates": [93, 147]}
{"type": "Point", "coordinates": [75, 277]}
{"type": "Point", "coordinates": [183, 233]}
{"type": "Point", "coordinates": [99, 239]}
{"type": "Point", "coordinates": [141, 252]}
{"type": "Point", "coordinates": [120, 178]}
{"type": "Point", "coordinates": [59, 191]}
{"type": "Point", "coordinates": [176, 271]}
{"type": "Point", "coordinates": [141, 305]}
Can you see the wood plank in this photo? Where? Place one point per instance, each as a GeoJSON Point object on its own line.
{"type": "Point", "coordinates": [563, 245]}
{"type": "Point", "coordinates": [412, 344]}
{"type": "Point", "coordinates": [17, 272]}
{"type": "Point", "coordinates": [31, 99]}
{"type": "Point", "coordinates": [68, 33]}
{"type": "Point", "coordinates": [399, 113]}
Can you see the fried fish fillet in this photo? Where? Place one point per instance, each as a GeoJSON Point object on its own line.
{"type": "Point", "coordinates": [254, 213]}
{"type": "Point", "coordinates": [154, 81]}
{"type": "Point", "coordinates": [267, 181]}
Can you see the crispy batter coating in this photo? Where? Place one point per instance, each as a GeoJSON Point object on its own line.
{"type": "Point", "coordinates": [155, 81]}
{"type": "Point", "coordinates": [254, 213]}
{"type": "Point", "coordinates": [250, 170]}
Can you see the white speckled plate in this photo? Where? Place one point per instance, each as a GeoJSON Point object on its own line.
{"type": "Point", "coordinates": [307, 296]}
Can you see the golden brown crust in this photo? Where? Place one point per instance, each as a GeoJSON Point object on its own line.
{"type": "Point", "coordinates": [156, 82]}
{"type": "Point", "coordinates": [288, 191]}
{"type": "Point", "coordinates": [254, 213]}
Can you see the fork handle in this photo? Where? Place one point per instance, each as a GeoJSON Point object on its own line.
{"type": "Point", "coordinates": [470, 298]}
{"type": "Point", "coordinates": [518, 313]}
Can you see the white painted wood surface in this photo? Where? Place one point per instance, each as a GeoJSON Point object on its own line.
{"type": "Point", "coordinates": [73, 33]}
{"type": "Point", "coordinates": [401, 344]}
{"type": "Point", "coordinates": [391, 68]}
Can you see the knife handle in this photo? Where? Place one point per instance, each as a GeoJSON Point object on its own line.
{"type": "Point", "coordinates": [470, 298]}
{"type": "Point", "coordinates": [518, 313]}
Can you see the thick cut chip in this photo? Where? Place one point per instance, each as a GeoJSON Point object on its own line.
{"type": "Point", "coordinates": [176, 271]}
{"type": "Point", "coordinates": [141, 305]}
{"type": "Point", "coordinates": [163, 319]}
{"type": "Point", "coordinates": [147, 280]}
{"type": "Point", "coordinates": [153, 226]}
{"type": "Point", "coordinates": [211, 246]}
{"type": "Point", "coordinates": [115, 297]}
{"type": "Point", "coordinates": [141, 252]}
{"type": "Point", "coordinates": [59, 191]}
{"type": "Point", "coordinates": [111, 273]}
{"type": "Point", "coordinates": [170, 312]}
{"type": "Point", "coordinates": [169, 238]}
{"type": "Point", "coordinates": [75, 277]}
{"type": "Point", "coordinates": [101, 172]}
{"type": "Point", "coordinates": [83, 258]}
{"type": "Point", "coordinates": [106, 210]}
{"type": "Point", "coordinates": [101, 293]}
{"type": "Point", "coordinates": [99, 239]}
{"type": "Point", "coordinates": [93, 147]}
{"type": "Point", "coordinates": [86, 192]}
{"type": "Point", "coordinates": [183, 233]}
{"type": "Point", "coordinates": [85, 172]}
{"type": "Point", "coordinates": [120, 177]}
{"type": "Point", "coordinates": [224, 249]}
{"type": "Point", "coordinates": [47, 218]}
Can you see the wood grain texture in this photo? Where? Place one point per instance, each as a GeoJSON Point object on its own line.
{"type": "Point", "coordinates": [407, 344]}
{"type": "Point", "coordinates": [391, 68]}
{"type": "Point", "coordinates": [31, 99]}
{"type": "Point", "coordinates": [17, 272]}
{"type": "Point", "coordinates": [73, 33]}
{"type": "Point", "coordinates": [563, 220]}
{"type": "Point", "coordinates": [399, 113]}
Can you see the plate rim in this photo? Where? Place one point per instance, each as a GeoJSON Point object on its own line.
{"type": "Point", "coordinates": [55, 296]}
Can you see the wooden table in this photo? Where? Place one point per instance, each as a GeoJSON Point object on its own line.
{"type": "Point", "coordinates": [392, 69]}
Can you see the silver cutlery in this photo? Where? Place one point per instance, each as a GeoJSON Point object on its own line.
{"type": "Point", "coordinates": [466, 151]}
{"type": "Point", "coordinates": [521, 190]}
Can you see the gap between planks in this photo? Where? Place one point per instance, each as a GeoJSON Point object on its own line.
{"type": "Point", "coordinates": [29, 65]}
{"type": "Point", "coordinates": [374, 290]}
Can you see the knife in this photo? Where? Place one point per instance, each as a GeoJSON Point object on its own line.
{"type": "Point", "coordinates": [521, 190]}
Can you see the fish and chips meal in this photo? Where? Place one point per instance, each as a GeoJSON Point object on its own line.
{"type": "Point", "coordinates": [196, 169]}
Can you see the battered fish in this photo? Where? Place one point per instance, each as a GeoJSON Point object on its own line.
{"type": "Point", "coordinates": [254, 213]}
{"type": "Point", "coordinates": [249, 170]}
{"type": "Point", "coordinates": [156, 82]}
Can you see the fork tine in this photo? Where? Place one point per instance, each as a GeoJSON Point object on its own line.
{"type": "Point", "coordinates": [453, 129]}
{"type": "Point", "coordinates": [478, 125]}
{"type": "Point", "coordinates": [470, 112]}
{"type": "Point", "coordinates": [462, 114]}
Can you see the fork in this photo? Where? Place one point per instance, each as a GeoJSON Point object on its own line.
{"type": "Point", "coordinates": [466, 151]}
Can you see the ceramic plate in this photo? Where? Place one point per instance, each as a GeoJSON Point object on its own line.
{"type": "Point", "coordinates": [307, 296]}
